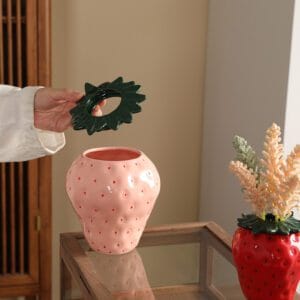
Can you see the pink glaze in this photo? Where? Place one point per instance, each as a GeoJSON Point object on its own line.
{"type": "Point", "coordinates": [113, 191]}
{"type": "Point", "coordinates": [123, 275]}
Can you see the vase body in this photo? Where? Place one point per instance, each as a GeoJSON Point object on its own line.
{"type": "Point", "coordinates": [123, 275]}
{"type": "Point", "coordinates": [268, 265]}
{"type": "Point", "coordinates": [113, 191]}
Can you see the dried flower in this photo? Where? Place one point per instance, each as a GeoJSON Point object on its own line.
{"type": "Point", "coordinates": [245, 153]}
{"type": "Point", "coordinates": [248, 181]}
{"type": "Point", "coordinates": [273, 186]}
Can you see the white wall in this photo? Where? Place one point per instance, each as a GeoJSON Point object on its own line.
{"type": "Point", "coordinates": [292, 115]}
{"type": "Point", "coordinates": [245, 91]}
{"type": "Point", "coordinates": [292, 119]}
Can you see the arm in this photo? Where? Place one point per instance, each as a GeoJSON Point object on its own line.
{"type": "Point", "coordinates": [21, 114]}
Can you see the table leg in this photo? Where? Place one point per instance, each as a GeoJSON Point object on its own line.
{"type": "Point", "coordinates": [206, 261]}
{"type": "Point", "coordinates": [65, 280]}
{"type": "Point", "coordinates": [206, 269]}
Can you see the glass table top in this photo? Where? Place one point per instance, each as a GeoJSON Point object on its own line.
{"type": "Point", "coordinates": [163, 269]}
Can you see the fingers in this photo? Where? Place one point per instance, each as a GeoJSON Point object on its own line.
{"type": "Point", "coordinates": [49, 98]}
{"type": "Point", "coordinates": [55, 105]}
{"type": "Point", "coordinates": [62, 95]}
{"type": "Point", "coordinates": [64, 117]}
{"type": "Point", "coordinates": [63, 123]}
{"type": "Point", "coordinates": [97, 112]}
{"type": "Point", "coordinates": [102, 103]}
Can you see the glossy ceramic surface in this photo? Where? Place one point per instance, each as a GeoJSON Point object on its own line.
{"type": "Point", "coordinates": [123, 275]}
{"type": "Point", "coordinates": [82, 117]}
{"type": "Point", "coordinates": [268, 265]}
{"type": "Point", "coordinates": [113, 191]}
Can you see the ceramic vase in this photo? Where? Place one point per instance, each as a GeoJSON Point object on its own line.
{"type": "Point", "coordinates": [123, 275]}
{"type": "Point", "coordinates": [268, 265]}
{"type": "Point", "coordinates": [113, 191]}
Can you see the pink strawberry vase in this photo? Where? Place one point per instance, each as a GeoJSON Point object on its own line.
{"type": "Point", "coordinates": [113, 191]}
{"type": "Point", "coordinates": [123, 275]}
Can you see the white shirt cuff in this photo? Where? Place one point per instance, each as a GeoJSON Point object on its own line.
{"type": "Point", "coordinates": [51, 141]}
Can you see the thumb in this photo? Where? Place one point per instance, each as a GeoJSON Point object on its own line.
{"type": "Point", "coordinates": [63, 95]}
{"type": "Point", "coordinates": [97, 112]}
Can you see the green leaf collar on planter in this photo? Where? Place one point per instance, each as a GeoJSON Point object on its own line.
{"type": "Point", "coordinates": [270, 224]}
{"type": "Point", "coordinates": [82, 117]}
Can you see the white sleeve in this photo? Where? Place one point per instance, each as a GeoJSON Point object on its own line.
{"type": "Point", "coordinates": [19, 139]}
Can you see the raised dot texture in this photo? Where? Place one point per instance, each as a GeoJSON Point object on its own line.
{"type": "Point", "coordinates": [113, 193]}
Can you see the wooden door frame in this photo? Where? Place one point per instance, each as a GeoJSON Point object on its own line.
{"type": "Point", "coordinates": [44, 164]}
{"type": "Point", "coordinates": [38, 60]}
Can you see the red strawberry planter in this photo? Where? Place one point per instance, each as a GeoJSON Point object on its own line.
{"type": "Point", "coordinates": [266, 247]}
{"type": "Point", "coordinates": [268, 265]}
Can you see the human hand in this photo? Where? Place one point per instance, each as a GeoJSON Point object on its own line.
{"type": "Point", "coordinates": [52, 106]}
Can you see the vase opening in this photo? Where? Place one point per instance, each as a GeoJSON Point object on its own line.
{"type": "Point", "coordinates": [112, 154]}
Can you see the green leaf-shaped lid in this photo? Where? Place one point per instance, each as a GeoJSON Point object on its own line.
{"type": "Point", "coordinates": [82, 117]}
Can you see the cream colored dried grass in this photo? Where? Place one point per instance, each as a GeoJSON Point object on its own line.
{"type": "Point", "coordinates": [278, 189]}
